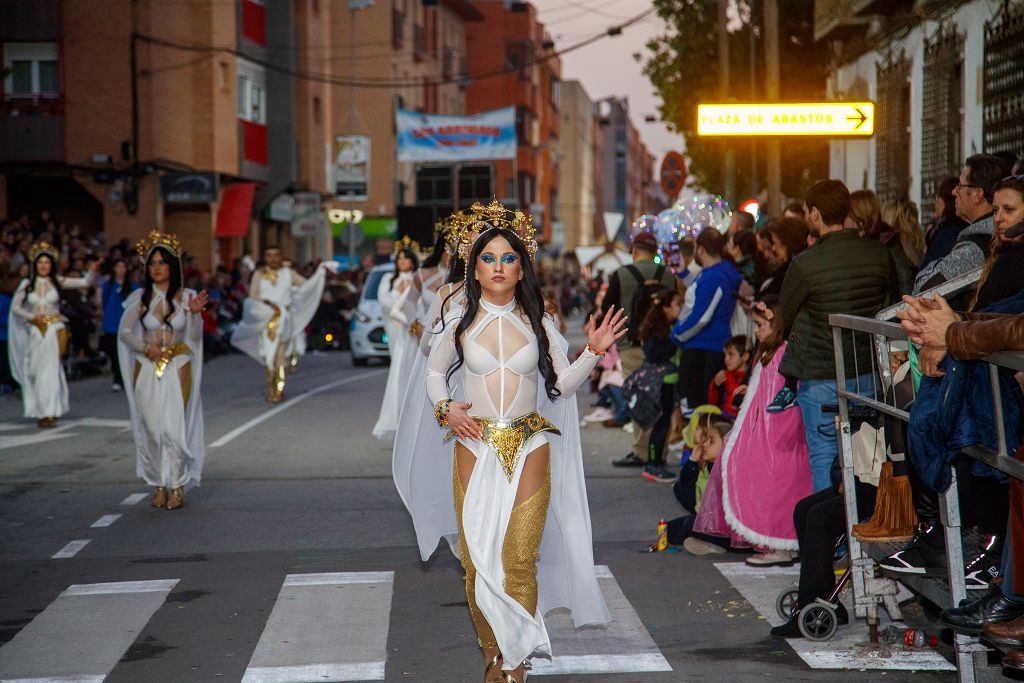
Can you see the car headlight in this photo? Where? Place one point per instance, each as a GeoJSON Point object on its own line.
{"type": "Point", "coordinates": [362, 317]}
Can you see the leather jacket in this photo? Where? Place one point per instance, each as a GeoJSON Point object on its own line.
{"type": "Point", "coordinates": [980, 334]}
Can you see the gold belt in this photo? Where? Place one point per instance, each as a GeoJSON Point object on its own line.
{"type": "Point", "coordinates": [507, 437]}
{"type": "Point", "coordinates": [274, 320]}
{"type": "Point", "coordinates": [166, 354]}
{"type": "Point", "coordinates": [45, 322]}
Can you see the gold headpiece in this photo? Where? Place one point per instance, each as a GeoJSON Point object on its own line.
{"type": "Point", "coordinates": [43, 248]}
{"type": "Point", "coordinates": [479, 219]}
{"type": "Point", "coordinates": [407, 243]}
{"type": "Point", "coordinates": [158, 239]}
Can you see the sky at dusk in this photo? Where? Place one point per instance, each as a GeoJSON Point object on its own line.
{"type": "Point", "coordinates": [607, 66]}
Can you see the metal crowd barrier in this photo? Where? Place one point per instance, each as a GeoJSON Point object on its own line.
{"type": "Point", "coordinates": [868, 590]}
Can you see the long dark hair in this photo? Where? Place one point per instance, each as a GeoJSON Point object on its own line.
{"type": "Point", "coordinates": [528, 296]}
{"type": "Point", "coordinates": [408, 253]}
{"type": "Point", "coordinates": [32, 275]}
{"type": "Point", "coordinates": [440, 246]}
{"type": "Point", "coordinates": [173, 287]}
{"type": "Point", "coordinates": [126, 286]}
{"type": "Point", "coordinates": [655, 325]}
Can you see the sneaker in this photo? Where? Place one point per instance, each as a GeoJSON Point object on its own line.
{"type": "Point", "coordinates": [658, 474]}
{"type": "Point", "coordinates": [697, 546]}
{"type": "Point", "coordinates": [786, 398]}
{"type": "Point", "coordinates": [628, 427]}
{"type": "Point", "coordinates": [772, 558]}
{"type": "Point", "coordinates": [599, 415]}
{"type": "Point", "coordinates": [115, 387]}
{"type": "Point", "coordinates": [985, 566]}
{"type": "Point", "coordinates": [628, 460]}
{"type": "Point", "coordinates": [924, 555]}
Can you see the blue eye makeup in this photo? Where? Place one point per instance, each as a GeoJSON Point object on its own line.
{"type": "Point", "coordinates": [487, 258]}
{"type": "Point", "coordinates": [509, 258]}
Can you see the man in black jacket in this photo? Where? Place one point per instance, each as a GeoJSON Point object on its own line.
{"type": "Point", "coordinates": [841, 273]}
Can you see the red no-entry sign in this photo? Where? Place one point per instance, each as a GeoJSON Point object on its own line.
{"type": "Point", "coordinates": [673, 173]}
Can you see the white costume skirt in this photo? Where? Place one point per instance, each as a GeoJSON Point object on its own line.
{"type": "Point", "coordinates": [45, 389]}
{"type": "Point", "coordinates": [164, 457]}
{"type": "Point", "coordinates": [489, 497]}
{"type": "Point", "coordinates": [400, 345]}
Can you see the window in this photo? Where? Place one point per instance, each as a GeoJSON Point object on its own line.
{"type": "Point", "coordinates": [243, 96]}
{"type": "Point", "coordinates": [1004, 79]}
{"type": "Point", "coordinates": [942, 129]}
{"type": "Point", "coordinates": [252, 93]}
{"type": "Point", "coordinates": [32, 70]}
{"type": "Point", "coordinates": [892, 143]}
{"type": "Point", "coordinates": [258, 112]}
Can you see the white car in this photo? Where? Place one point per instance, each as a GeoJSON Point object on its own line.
{"type": "Point", "coordinates": [367, 337]}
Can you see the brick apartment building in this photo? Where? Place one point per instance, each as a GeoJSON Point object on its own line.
{"type": "Point", "coordinates": [514, 39]}
{"type": "Point", "coordinates": [627, 176]}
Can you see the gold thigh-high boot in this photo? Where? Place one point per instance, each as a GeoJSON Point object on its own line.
{"type": "Point", "coordinates": [484, 634]}
{"type": "Point", "coordinates": [521, 549]}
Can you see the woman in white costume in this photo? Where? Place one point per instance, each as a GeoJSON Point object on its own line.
{"type": "Point", "coordinates": [160, 344]}
{"type": "Point", "coordinates": [512, 467]}
{"type": "Point", "coordinates": [38, 336]}
{"type": "Point", "coordinates": [398, 300]}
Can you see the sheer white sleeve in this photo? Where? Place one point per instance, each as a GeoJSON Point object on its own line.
{"type": "Point", "coordinates": [570, 376]}
{"type": "Point", "coordinates": [18, 305]}
{"type": "Point", "coordinates": [126, 330]}
{"type": "Point", "coordinates": [194, 321]}
{"type": "Point", "coordinates": [442, 355]}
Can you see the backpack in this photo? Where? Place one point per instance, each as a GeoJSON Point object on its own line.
{"type": "Point", "coordinates": [642, 297]}
{"type": "Point", "coordinates": [642, 391]}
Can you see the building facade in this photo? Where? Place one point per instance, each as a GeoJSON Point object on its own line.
{"type": "Point", "coordinates": [946, 78]}
{"type": "Point", "coordinates": [576, 156]}
{"type": "Point", "coordinates": [627, 171]}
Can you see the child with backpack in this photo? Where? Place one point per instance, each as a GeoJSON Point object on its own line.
{"type": "Point", "coordinates": [661, 361]}
{"type": "Point", "coordinates": [765, 447]}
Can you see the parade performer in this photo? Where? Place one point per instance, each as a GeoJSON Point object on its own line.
{"type": "Point", "coordinates": [38, 335]}
{"type": "Point", "coordinates": [512, 467]}
{"type": "Point", "coordinates": [398, 300]}
{"type": "Point", "coordinates": [160, 348]}
{"type": "Point", "coordinates": [275, 315]}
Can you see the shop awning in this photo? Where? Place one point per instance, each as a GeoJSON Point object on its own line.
{"type": "Point", "coordinates": [235, 210]}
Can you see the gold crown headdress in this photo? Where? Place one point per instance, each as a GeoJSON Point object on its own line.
{"type": "Point", "coordinates": [468, 225]}
{"type": "Point", "coordinates": [407, 243]}
{"type": "Point", "coordinates": [43, 248]}
{"type": "Point", "coordinates": [158, 239]}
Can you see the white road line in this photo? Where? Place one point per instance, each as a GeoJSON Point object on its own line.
{"type": "Point", "coordinates": [263, 417]}
{"type": "Point", "coordinates": [134, 499]}
{"type": "Point", "coordinates": [71, 549]}
{"type": "Point", "coordinates": [325, 627]}
{"type": "Point", "coordinates": [82, 635]}
{"type": "Point", "coordinates": [623, 646]}
{"type": "Point", "coordinates": [104, 521]}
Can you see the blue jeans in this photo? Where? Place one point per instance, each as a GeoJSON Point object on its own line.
{"type": "Point", "coordinates": [820, 427]}
{"type": "Point", "coordinates": [617, 398]}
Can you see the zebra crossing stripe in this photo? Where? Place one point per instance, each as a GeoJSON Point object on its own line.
{"type": "Point", "coordinates": [82, 635]}
{"type": "Point", "coordinates": [71, 549]}
{"type": "Point", "coordinates": [325, 627]}
{"type": "Point", "coordinates": [623, 646]}
{"type": "Point", "coordinates": [134, 499]}
{"type": "Point", "coordinates": [104, 521]}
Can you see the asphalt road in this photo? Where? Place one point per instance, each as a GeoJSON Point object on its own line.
{"type": "Point", "coordinates": [295, 559]}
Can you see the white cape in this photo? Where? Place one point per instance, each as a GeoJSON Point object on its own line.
{"type": "Point", "coordinates": [193, 415]}
{"type": "Point", "coordinates": [36, 366]}
{"type": "Point", "coordinates": [422, 470]}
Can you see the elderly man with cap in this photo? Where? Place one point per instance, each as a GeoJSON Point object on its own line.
{"type": "Point", "coordinates": [622, 285]}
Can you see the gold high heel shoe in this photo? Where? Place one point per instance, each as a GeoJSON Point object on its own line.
{"type": "Point", "coordinates": [495, 662]}
{"type": "Point", "coordinates": [506, 677]}
{"type": "Point", "coordinates": [160, 497]}
{"type": "Point", "coordinates": [176, 499]}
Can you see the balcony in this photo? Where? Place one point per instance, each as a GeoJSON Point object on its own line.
{"type": "Point", "coordinates": [32, 129]}
{"type": "Point", "coordinates": [841, 18]}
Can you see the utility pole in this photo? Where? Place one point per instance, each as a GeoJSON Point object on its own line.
{"type": "Point", "coordinates": [728, 154]}
{"type": "Point", "coordinates": [771, 60]}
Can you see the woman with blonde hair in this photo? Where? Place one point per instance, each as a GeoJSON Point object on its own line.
{"type": "Point", "coordinates": [901, 232]}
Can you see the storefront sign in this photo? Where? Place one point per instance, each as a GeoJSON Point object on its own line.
{"type": "Point", "coordinates": [281, 208]}
{"type": "Point", "coordinates": [352, 167]}
{"type": "Point", "coordinates": [307, 216]}
{"type": "Point", "coordinates": [832, 119]}
{"type": "Point", "coordinates": [431, 137]}
{"type": "Point", "coordinates": [188, 188]}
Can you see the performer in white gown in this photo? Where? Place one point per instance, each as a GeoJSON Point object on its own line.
{"type": "Point", "coordinates": [513, 468]}
{"type": "Point", "coordinates": [38, 335]}
{"type": "Point", "coordinates": [398, 301]}
{"type": "Point", "coordinates": [160, 346]}
{"type": "Point", "coordinates": [275, 315]}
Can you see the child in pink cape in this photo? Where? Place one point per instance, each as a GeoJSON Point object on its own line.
{"type": "Point", "coordinates": [765, 467]}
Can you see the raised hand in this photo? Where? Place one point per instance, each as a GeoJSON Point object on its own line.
{"type": "Point", "coordinates": [197, 303]}
{"type": "Point", "coordinates": [612, 328]}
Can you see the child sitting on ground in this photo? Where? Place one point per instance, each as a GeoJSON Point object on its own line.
{"type": "Point", "coordinates": [722, 390]}
{"type": "Point", "coordinates": [709, 435]}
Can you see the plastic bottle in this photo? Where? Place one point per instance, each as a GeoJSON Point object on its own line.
{"type": "Point", "coordinates": [662, 535]}
{"type": "Point", "coordinates": [908, 637]}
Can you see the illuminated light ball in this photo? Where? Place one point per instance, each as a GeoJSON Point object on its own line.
{"type": "Point", "coordinates": [642, 224]}
{"type": "Point", "coordinates": [328, 337]}
{"type": "Point", "coordinates": [667, 226]}
{"type": "Point", "coordinates": [702, 211]}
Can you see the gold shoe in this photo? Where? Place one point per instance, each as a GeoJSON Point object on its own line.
{"type": "Point", "coordinates": [176, 499]}
{"type": "Point", "coordinates": [495, 662]}
{"type": "Point", "coordinates": [160, 497]}
{"type": "Point", "coordinates": [506, 677]}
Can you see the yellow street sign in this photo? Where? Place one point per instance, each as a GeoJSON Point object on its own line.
{"type": "Point", "coordinates": [834, 119]}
